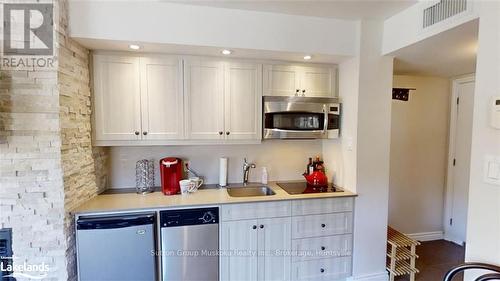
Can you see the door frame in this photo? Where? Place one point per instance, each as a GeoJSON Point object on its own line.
{"type": "Point", "coordinates": [448, 204]}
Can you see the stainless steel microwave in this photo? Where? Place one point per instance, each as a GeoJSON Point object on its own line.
{"type": "Point", "coordinates": [300, 118]}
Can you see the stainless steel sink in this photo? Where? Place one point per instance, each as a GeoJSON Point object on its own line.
{"type": "Point", "coordinates": [247, 191]}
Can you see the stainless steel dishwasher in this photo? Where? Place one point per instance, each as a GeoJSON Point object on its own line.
{"type": "Point", "coordinates": [190, 244]}
{"type": "Point", "coordinates": [119, 247]}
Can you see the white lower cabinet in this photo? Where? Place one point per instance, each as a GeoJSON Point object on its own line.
{"type": "Point", "coordinates": [255, 249]}
{"type": "Point", "coordinates": [323, 269]}
{"type": "Point", "coordinates": [274, 246]}
{"type": "Point", "coordinates": [321, 225]}
{"type": "Point", "coordinates": [239, 250]}
{"type": "Point", "coordinates": [287, 240]}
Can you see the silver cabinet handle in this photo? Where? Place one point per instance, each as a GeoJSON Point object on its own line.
{"type": "Point", "coordinates": [325, 124]}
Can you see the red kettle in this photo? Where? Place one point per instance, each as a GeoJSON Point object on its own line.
{"type": "Point", "coordinates": [316, 179]}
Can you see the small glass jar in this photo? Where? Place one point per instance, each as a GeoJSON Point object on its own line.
{"type": "Point", "coordinates": [144, 176]}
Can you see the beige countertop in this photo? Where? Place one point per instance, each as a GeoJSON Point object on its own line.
{"type": "Point", "coordinates": [214, 196]}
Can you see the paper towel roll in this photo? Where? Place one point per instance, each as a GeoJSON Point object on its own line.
{"type": "Point", "coordinates": [223, 171]}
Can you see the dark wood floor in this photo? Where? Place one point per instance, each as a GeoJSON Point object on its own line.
{"type": "Point", "coordinates": [435, 259]}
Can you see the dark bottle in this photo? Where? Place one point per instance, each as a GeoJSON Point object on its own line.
{"type": "Point", "coordinates": [310, 166]}
{"type": "Point", "coordinates": [316, 163]}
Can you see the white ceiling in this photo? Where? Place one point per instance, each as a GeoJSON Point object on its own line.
{"type": "Point", "coordinates": [447, 54]}
{"type": "Point", "coordinates": [122, 46]}
{"type": "Point", "coordinates": [342, 9]}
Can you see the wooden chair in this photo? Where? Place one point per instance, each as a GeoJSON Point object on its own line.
{"type": "Point", "coordinates": [494, 275]}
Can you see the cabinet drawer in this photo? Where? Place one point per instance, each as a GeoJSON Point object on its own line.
{"type": "Point", "coordinates": [255, 210]}
{"type": "Point", "coordinates": [322, 206]}
{"type": "Point", "coordinates": [323, 269]}
{"type": "Point", "coordinates": [321, 225]}
{"type": "Point", "coordinates": [322, 247]}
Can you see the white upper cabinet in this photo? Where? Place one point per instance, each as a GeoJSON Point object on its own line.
{"type": "Point", "coordinates": [138, 99]}
{"type": "Point", "coordinates": [161, 98]}
{"type": "Point", "coordinates": [292, 80]}
{"type": "Point", "coordinates": [243, 101]}
{"type": "Point", "coordinates": [117, 98]}
{"type": "Point", "coordinates": [318, 81]}
{"type": "Point", "coordinates": [167, 99]}
{"type": "Point", "coordinates": [281, 80]}
{"type": "Point", "coordinates": [204, 99]}
{"type": "Point", "coordinates": [222, 100]}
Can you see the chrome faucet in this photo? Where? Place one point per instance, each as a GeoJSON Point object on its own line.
{"type": "Point", "coordinates": [246, 170]}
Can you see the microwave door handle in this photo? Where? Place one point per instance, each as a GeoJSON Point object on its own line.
{"type": "Point", "coordinates": [325, 123]}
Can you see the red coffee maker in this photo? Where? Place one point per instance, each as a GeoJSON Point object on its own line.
{"type": "Point", "coordinates": [171, 172]}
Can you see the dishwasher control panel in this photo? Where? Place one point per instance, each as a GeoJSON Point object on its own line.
{"type": "Point", "coordinates": [172, 218]}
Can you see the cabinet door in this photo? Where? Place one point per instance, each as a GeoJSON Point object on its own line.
{"type": "Point", "coordinates": [243, 101]}
{"type": "Point", "coordinates": [239, 250]}
{"type": "Point", "coordinates": [117, 98]}
{"type": "Point", "coordinates": [281, 80]}
{"type": "Point", "coordinates": [274, 247]}
{"type": "Point", "coordinates": [204, 100]}
{"type": "Point", "coordinates": [318, 81]}
{"type": "Point", "coordinates": [161, 98]}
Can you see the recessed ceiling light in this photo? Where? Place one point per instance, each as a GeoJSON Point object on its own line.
{"type": "Point", "coordinates": [226, 52]}
{"type": "Point", "coordinates": [134, 47]}
{"type": "Point", "coordinates": [308, 57]}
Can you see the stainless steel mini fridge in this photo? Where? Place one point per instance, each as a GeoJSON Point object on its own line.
{"type": "Point", "coordinates": [116, 247]}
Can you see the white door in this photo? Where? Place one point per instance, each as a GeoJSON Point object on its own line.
{"type": "Point", "coordinates": [161, 98]}
{"type": "Point", "coordinates": [460, 145]}
{"type": "Point", "coordinates": [281, 80]}
{"type": "Point", "coordinates": [317, 81]}
{"type": "Point", "coordinates": [274, 243]}
{"type": "Point", "coordinates": [242, 98]}
{"type": "Point", "coordinates": [239, 250]}
{"type": "Point", "coordinates": [204, 99]}
{"type": "Point", "coordinates": [117, 98]}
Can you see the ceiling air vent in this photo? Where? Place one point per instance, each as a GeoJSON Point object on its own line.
{"type": "Point", "coordinates": [443, 10]}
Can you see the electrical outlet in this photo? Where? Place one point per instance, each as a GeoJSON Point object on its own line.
{"type": "Point", "coordinates": [187, 163]}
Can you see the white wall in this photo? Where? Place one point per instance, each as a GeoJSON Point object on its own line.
{"type": "Point", "coordinates": [365, 84]}
{"type": "Point", "coordinates": [170, 23]}
{"type": "Point", "coordinates": [341, 154]}
{"type": "Point", "coordinates": [285, 160]}
{"type": "Point", "coordinates": [373, 143]}
{"type": "Point", "coordinates": [483, 225]}
{"type": "Point", "coordinates": [405, 28]}
{"type": "Point", "coordinates": [419, 149]}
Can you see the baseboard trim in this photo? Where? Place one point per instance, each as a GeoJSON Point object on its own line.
{"type": "Point", "coordinates": [427, 236]}
{"type": "Point", "coordinates": [382, 276]}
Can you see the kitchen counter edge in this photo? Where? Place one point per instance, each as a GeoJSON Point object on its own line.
{"type": "Point", "coordinates": [132, 202]}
